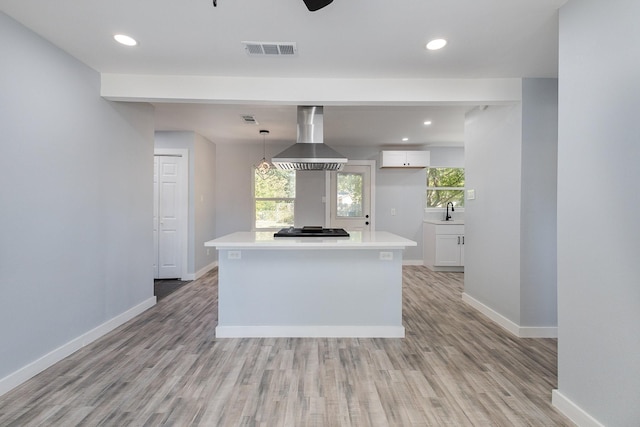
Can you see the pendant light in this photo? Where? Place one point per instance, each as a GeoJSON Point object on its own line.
{"type": "Point", "coordinates": [264, 167]}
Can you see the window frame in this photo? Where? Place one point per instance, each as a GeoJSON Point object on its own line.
{"type": "Point", "coordinates": [427, 188]}
{"type": "Point", "coordinates": [266, 199]}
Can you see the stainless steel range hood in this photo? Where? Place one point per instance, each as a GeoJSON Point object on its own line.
{"type": "Point", "coordinates": [309, 152]}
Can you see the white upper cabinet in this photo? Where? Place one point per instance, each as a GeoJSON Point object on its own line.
{"type": "Point", "coordinates": [404, 159]}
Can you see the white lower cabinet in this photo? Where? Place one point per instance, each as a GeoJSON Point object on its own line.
{"type": "Point", "coordinates": [450, 250]}
{"type": "Point", "coordinates": [443, 246]}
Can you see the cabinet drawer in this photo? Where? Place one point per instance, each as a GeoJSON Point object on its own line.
{"type": "Point", "coordinates": [450, 229]}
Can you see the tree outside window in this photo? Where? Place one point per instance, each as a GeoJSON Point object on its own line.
{"type": "Point", "coordinates": [349, 194]}
{"type": "Point", "coordinates": [445, 185]}
{"type": "Point", "coordinates": [274, 199]}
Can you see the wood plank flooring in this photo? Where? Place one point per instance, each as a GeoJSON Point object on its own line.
{"type": "Point", "coordinates": [165, 367]}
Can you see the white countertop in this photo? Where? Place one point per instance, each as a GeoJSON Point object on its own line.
{"type": "Point", "coordinates": [443, 222]}
{"type": "Point", "coordinates": [356, 240]}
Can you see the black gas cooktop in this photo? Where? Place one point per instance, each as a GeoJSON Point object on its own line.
{"type": "Point", "coordinates": [311, 231]}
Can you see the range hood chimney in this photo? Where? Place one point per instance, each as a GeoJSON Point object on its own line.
{"type": "Point", "coordinates": [309, 152]}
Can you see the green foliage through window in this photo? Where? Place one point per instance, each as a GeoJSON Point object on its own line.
{"type": "Point", "coordinates": [278, 183]}
{"type": "Point", "coordinates": [349, 194]}
{"type": "Point", "coordinates": [445, 185]}
{"type": "Point", "coordinates": [274, 197]}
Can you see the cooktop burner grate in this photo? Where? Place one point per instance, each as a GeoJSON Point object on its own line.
{"type": "Point", "coordinates": [311, 231]}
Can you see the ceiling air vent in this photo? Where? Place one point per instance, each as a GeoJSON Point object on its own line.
{"type": "Point", "coordinates": [270, 48]}
{"type": "Point", "coordinates": [249, 119]}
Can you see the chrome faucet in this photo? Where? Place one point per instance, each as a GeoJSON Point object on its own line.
{"type": "Point", "coordinates": [448, 217]}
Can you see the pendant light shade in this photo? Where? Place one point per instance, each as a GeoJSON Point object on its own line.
{"type": "Point", "coordinates": [264, 167]}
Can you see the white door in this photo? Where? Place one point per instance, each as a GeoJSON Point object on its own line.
{"type": "Point", "coordinates": [166, 217]}
{"type": "Point", "coordinates": [351, 198]}
{"type": "Point", "coordinates": [155, 216]}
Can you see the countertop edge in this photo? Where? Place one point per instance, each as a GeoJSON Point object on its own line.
{"type": "Point", "coordinates": [249, 240]}
{"type": "Point", "coordinates": [305, 246]}
{"type": "Point", "coordinates": [442, 222]}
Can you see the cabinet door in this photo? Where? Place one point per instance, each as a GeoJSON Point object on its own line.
{"type": "Point", "coordinates": [394, 158]}
{"type": "Point", "coordinates": [462, 251]}
{"type": "Point", "coordinates": [448, 249]}
{"type": "Point", "coordinates": [417, 159]}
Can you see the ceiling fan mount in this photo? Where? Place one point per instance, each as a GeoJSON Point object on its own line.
{"type": "Point", "coordinates": [314, 5]}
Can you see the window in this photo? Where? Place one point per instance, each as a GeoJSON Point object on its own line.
{"type": "Point", "coordinates": [445, 185]}
{"type": "Point", "coordinates": [349, 194]}
{"type": "Point", "coordinates": [274, 199]}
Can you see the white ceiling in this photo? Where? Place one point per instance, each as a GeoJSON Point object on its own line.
{"type": "Point", "coordinates": [343, 125]}
{"type": "Point", "coordinates": [347, 39]}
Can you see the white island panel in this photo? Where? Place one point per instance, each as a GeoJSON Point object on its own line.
{"type": "Point", "coordinates": [293, 288]}
{"type": "Point", "coordinates": [310, 293]}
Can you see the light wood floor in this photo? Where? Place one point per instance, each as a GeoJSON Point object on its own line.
{"type": "Point", "coordinates": [165, 367]}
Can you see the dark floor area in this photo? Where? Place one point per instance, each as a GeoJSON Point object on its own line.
{"type": "Point", "coordinates": [164, 287]}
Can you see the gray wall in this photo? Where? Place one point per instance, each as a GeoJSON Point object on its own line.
{"type": "Point", "coordinates": [510, 228]}
{"type": "Point", "coordinates": [77, 173]}
{"type": "Point", "coordinates": [405, 191]}
{"type": "Point", "coordinates": [538, 255]}
{"type": "Point", "coordinates": [202, 193]}
{"type": "Point", "coordinates": [493, 141]}
{"type": "Point", "coordinates": [446, 157]}
{"type": "Point", "coordinates": [598, 209]}
{"type": "Point", "coordinates": [204, 190]}
{"type": "Point", "coordinates": [310, 189]}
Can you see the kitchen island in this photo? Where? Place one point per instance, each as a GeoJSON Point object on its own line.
{"type": "Point", "coordinates": [310, 286]}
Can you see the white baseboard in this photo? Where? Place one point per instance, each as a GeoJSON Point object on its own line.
{"type": "Point", "coordinates": [538, 332]}
{"type": "Point", "coordinates": [412, 262]}
{"type": "Point", "coordinates": [205, 270]}
{"type": "Point", "coordinates": [23, 374]}
{"type": "Point", "coordinates": [491, 314]}
{"type": "Point", "coordinates": [310, 331]}
{"type": "Point", "coordinates": [445, 268]}
{"type": "Point", "coordinates": [573, 411]}
{"type": "Point", "coordinates": [514, 328]}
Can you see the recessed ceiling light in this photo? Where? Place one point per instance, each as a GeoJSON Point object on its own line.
{"type": "Point", "coordinates": [436, 44]}
{"type": "Point", "coordinates": [427, 123]}
{"type": "Point", "coordinates": [125, 40]}
{"type": "Point", "coordinates": [405, 139]}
